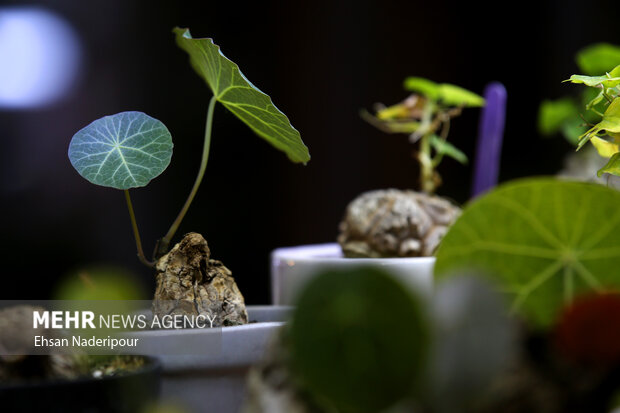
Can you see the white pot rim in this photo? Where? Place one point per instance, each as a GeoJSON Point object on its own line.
{"type": "Point", "coordinates": [292, 267]}
{"type": "Point", "coordinates": [331, 252]}
{"type": "Point", "coordinates": [237, 346]}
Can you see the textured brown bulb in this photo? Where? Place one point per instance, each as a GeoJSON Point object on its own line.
{"type": "Point", "coordinates": [395, 223]}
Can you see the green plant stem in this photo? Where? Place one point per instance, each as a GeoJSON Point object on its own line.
{"type": "Point", "coordinates": [165, 241]}
{"type": "Point", "coordinates": [426, 165]}
{"type": "Point", "coordinates": [136, 233]}
{"type": "Point", "coordinates": [427, 183]}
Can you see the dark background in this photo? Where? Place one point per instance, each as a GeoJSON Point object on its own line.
{"type": "Point", "coordinates": [321, 62]}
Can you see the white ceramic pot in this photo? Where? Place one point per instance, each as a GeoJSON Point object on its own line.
{"type": "Point", "coordinates": [214, 381]}
{"type": "Point", "coordinates": [291, 268]}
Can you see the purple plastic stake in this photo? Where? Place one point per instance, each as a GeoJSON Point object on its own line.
{"type": "Point", "coordinates": [490, 135]}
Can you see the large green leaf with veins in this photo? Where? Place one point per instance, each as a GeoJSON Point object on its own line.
{"type": "Point", "coordinates": [231, 88]}
{"type": "Point", "coordinates": [545, 240]}
{"type": "Point", "coordinates": [121, 151]}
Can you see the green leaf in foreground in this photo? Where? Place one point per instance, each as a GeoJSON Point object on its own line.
{"type": "Point", "coordinates": [121, 151]}
{"type": "Point", "coordinates": [231, 88]}
{"type": "Point", "coordinates": [545, 241]}
{"type": "Point", "coordinates": [358, 340]}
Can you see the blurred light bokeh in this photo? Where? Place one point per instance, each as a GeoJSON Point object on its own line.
{"type": "Point", "coordinates": [39, 57]}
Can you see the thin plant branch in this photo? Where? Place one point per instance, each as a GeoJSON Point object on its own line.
{"type": "Point", "coordinates": [136, 233]}
{"type": "Point", "coordinates": [163, 244]}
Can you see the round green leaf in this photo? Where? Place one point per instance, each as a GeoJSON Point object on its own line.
{"type": "Point", "coordinates": [545, 240]}
{"type": "Point", "coordinates": [121, 151]}
{"type": "Point", "coordinates": [358, 340]}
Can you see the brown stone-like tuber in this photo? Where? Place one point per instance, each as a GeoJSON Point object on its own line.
{"type": "Point", "coordinates": [189, 282]}
{"type": "Point", "coordinates": [395, 223]}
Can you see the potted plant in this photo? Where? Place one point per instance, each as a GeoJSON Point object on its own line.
{"type": "Point", "coordinates": [523, 319]}
{"type": "Point", "coordinates": [36, 380]}
{"type": "Point", "coordinates": [565, 115]}
{"type": "Point", "coordinates": [604, 108]}
{"type": "Point", "coordinates": [400, 229]}
{"type": "Point", "coordinates": [128, 150]}
{"type": "Point", "coordinates": [536, 330]}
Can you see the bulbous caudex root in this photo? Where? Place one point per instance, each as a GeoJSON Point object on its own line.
{"type": "Point", "coordinates": [395, 223]}
{"type": "Point", "coordinates": [189, 282]}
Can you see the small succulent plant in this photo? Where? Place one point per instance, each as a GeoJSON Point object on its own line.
{"type": "Point", "coordinates": [425, 116]}
{"type": "Point", "coordinates": [605, 106]}
{"type": "Point", "coordinates": [563, 115]}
